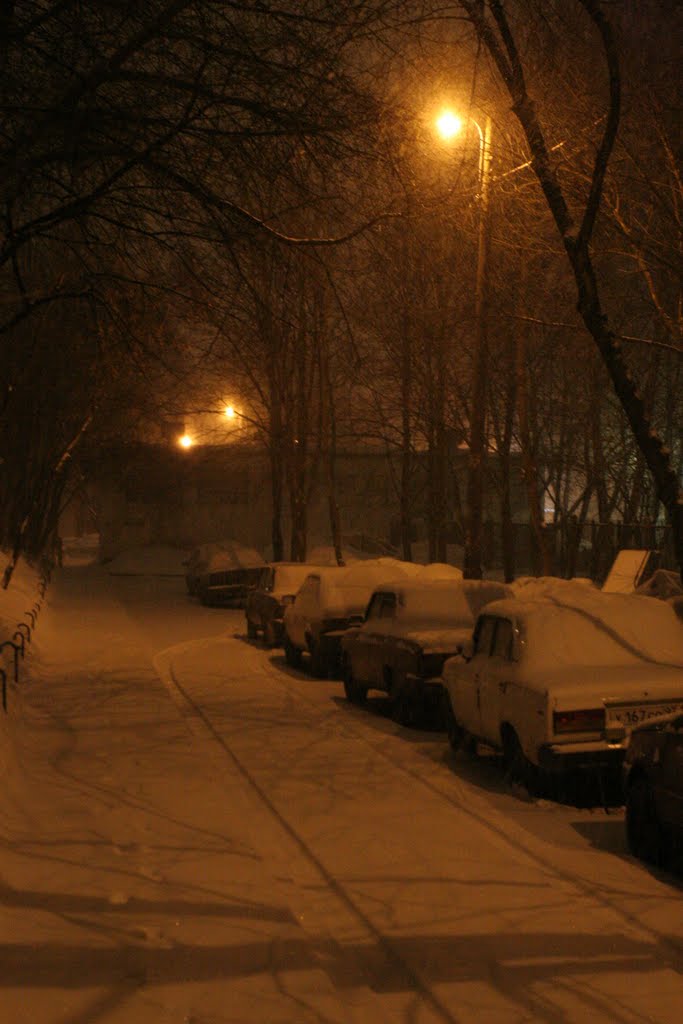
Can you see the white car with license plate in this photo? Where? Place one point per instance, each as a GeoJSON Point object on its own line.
{"type": "Point", "coordinates": [556, 681]}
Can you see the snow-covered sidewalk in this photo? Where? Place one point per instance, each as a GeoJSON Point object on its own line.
{"type": "Point", "coordinates": [120, 900]}
{"type": "Point", "coordinates": [190, 833]}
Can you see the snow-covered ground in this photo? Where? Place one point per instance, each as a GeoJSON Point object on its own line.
{"type": "Point", "coordinates": [191, 832]}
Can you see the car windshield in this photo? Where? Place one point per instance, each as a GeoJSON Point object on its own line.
{"type": "Point", "coordinates": [436, 605]}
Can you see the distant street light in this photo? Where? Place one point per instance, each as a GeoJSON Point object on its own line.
{"type": "Point", "coordinates": [185, 441]}
{"type": "Point", "coordinates": [449, 125]}
{"type": "Point", "coordinates": [230, 412]}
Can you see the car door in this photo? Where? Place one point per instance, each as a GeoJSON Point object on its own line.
{"type": "Point", "coordinates": [495, 678]}
{"type": "Point", "coordinates": [367, 647]}
{"type": "Point", "coordinates": [305, 608]}
{"type": "Point", "coordinates": [466, 700]}
{"type": "Point", "coordinates": [259, 598]}
{"type": "Point", "coordinates": [383, 651]}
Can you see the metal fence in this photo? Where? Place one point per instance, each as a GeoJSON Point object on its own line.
{"type": "Point", "coordinates": [576, 550]}
{"type": "Point", "coordinates": [13, 652]}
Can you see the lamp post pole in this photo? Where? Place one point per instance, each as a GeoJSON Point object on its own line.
{"type": "Point", "coordinates": [472, 567]}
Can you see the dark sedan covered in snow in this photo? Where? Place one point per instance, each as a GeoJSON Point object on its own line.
{"type": "Point", "coordinates": [411, 627]}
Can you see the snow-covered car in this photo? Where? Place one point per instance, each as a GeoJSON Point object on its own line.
{"type": "Point", "coordinates": [230, 574]}
{"type": "Point", "coordinates": [410, 629]}
{"type": "Point", "coordinates": [197, 561]}
{"type": "Point", "coordinates": [556, 680]}
{"type": "Point", "coordinates": [329, 601]}
{"type": "Point", "coordinates": [265, 606]}
{"type": "Point", "coordinates": [653, 789]}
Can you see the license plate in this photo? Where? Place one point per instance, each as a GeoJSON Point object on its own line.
{"type": "Point", "coordinates": [631, 716]}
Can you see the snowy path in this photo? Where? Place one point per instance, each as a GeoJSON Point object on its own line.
{"type": "Point", "coordinates": [255, 849]}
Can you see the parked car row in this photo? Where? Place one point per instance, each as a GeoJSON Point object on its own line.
{"type": "Point", "coordinates": [555, 675]}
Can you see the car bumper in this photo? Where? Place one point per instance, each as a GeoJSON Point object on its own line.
{"type": "Point", "coordinates": [560, 757]}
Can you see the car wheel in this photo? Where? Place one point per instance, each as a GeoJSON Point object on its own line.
{"type": "Point", "coordinates": [269, 634]}
{"type": "Point", "coordinates": [517, 766]}
{"type": "Point", "coordinates": [318, 664]}
{"type": "Point", "coordinates": [252, 632]}
{"type": "Point", "coordinates": [402, 710]}
{"type": "Point", "coordinates": [292, 654]}
{"type": "Point", "coordinates": [355, 693]}
{"type": "Point", "coordinates": [643, 829]}
{"type": "Point", "coordinates": [457, 737]}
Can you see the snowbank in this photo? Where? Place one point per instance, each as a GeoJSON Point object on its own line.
{"type": "Point", "coordinates": [149, 560]}
{"type": "Point", "coordinates": [663, 583]}
{"type": "Point", "coordinates": [530, 587]}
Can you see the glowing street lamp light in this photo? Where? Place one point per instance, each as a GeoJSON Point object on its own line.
{"type": "Point", "coordinates": [230, 412]}
{"type": "Point", "coordinates": [185, 441]}
{"type": "Point", "coordinates": [449, 125]}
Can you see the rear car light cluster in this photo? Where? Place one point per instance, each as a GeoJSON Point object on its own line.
{"type": "Point", "coordinates": [585, 720]}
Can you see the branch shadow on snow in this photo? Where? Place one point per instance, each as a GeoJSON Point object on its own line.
{"type": "Point", "coordinates": [514, 964]}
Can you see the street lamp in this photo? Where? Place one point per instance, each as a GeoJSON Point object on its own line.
{"type": "Point", "coordinates": [450, 125]}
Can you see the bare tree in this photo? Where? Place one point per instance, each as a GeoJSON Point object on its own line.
{"type": "Point", "coordinates": [501, 38]}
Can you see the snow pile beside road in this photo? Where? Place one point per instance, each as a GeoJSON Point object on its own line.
{"type": "Point", "coordinates": [149, 560]}
{"type": "Point", "coordinates": [532, 587]}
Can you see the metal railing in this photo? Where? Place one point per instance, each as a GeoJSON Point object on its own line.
{"type": "Point", "coordinates": [22, 635]}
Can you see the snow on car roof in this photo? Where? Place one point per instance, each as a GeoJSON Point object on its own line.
{"type": "Point", "coordinates": [442, 601]}
{"type": "Point", "coordinates": [290, 575]}
{"type": "Point", "coordinates": [583, 626]}
{"type": "Point", "coordinates": [235, 555]}
{"type": "Point", "coordinates": [349, 588]}
{"type": "Point", "coordinates": [436, 601]}
{"type": "Point", "coordinates": [440, 571]}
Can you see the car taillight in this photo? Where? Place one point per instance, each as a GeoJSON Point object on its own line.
{"type": "Point", "coordinates": [586, 720]}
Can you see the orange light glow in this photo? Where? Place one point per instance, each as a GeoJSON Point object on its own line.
{"type": "Point", "coordinates": [230, 412]}
{"type": "Point", "coordinates": [185, 441]}
{"type": "Point", "coordinates": [448, 124]}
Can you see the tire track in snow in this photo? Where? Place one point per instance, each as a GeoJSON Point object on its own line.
{"type": "Point", "coordinates": [201, 724]}
{"type": "Point", "coordinates": [521, 842]}
{"type": "Point", "coordinates": [504, 832]}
